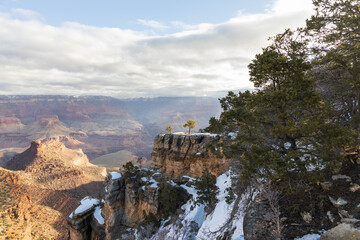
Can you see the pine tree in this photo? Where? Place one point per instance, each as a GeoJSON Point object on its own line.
{"type": "Point", "coordinates": [283, 127]}
{"type": "Point", "coordinates": [335, 28]}
{"type": "Point", "coordinates": [207, 189]}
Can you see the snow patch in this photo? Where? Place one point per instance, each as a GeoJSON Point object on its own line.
{"type": "Point", "coordinates": [154, 184]}
{"type": "Point", "coordinates": [85, 204]}
{"type": "Point", "coordinates": [97, 214]}
{"type": "Point", "coordinates": [179, 133]}
{"type": "Point", "coordinates": [115, 175]}
{"type": "Point", "coordinates": [195, 213]}
{"type": "Point", "coordinates": [309, 237]}
{"type": "Point", "coordinates": [222, 211]}
{"type": "Point", "coordinates": [232, 135]}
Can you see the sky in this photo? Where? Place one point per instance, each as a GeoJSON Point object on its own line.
{"type": "Point", "coordinates": [137, 48]}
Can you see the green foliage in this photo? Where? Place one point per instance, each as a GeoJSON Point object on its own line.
{"type": "Point", "coordinates": [215, 126]}
{"type": "Point", "coordinates": [130, 171]}
{"type": "Point", "coordinates": [207, 189]}
{"type": "Point", "coordinates": [150, 219]}
{"type": "Point", "coordinates": [190, 124]}
{"type": "Point", "coordinates": [194, 227]}
{"type": "Point", "coordinates": [169, 129]}
{"type": "Point", "coordinates": [284, 127]}
{"type": "Point", "coordinates": [336, 30]}
{"type": "Point", "coordinates": [230, 197]}
{"type": "Point", "coordinates": [170, 199]}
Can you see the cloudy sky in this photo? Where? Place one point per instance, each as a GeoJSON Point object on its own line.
{"type": "Point", "coordinates": [137, 48]}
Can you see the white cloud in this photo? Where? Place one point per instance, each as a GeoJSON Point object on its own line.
{"type": "Point", "coordinates": [26, 14]}
{"type": "Point", "coordinates": [152, 24]}
{"type": "Point", "coordinates": [203, 59]}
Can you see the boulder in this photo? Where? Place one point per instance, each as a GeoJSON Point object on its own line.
{"type": "Point", "coordinates": [342, 231]}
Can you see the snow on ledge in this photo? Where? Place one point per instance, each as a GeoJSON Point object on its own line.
{"type": "Point", "coordinates": [85, 204]}
{"type": "Point", "coordinates": [196, 134]}
{"type": "Point", "coordinates": [115, 175]}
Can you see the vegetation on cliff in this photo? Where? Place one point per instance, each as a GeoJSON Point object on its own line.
{"type": "Point", "coordinates": [207, 190]}
{"type": "Point", "coordinates": [290, 128]}
{"type": "Point", "coordinates": [190, 124]}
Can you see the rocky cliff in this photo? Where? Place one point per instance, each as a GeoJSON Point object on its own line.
{"type": "Point", "coordinates": [128, 201]}
{"type": "Point", "coordinates": [53, 166]}
{"type": "Point", "coordinates": [22, 217]}
{"type": "Point", "coordinates": [135, 196]}
{"type": "Point", "coordinates": [55, 179]}
{"type": "Point", "coordinates": [180, 154]}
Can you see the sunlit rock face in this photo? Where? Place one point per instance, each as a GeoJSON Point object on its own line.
{"type": "Point", "coordinates": [180, 154]}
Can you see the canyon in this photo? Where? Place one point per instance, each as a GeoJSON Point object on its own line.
{"type": "Point", "coordinates": [50, 187]}
{"type": "Point", "coordinates": [42, 185]}
{"type": "Point", "coordinates": [135, 195]}
{"type": "Point", "coordinates": [101, 126]}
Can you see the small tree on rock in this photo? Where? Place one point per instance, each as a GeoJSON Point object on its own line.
{"type": "Point", "coordinates": [207, 189]}
{"type": "Point", "coordinates": [169, 129]}
{"type": "Point", "coordinates": [190, 124]}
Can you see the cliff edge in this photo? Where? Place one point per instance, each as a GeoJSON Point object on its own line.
{"type": "Point", "coordinates": [179, 154]}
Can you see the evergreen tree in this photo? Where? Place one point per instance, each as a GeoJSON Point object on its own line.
{"type": "Point", "coordinates": [283, 128]}
{"type": "Point", "coordinates": [207, 189]}
{"type": "Point", "coordinates": [130, 171]}
{"type": "Point", "coordinates": [170, 199]}
{"type": "Point", "coordinates": [335, 34]}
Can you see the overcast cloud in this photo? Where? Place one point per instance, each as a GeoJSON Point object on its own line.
{"type": "Point", "coordinates": [76, 59]}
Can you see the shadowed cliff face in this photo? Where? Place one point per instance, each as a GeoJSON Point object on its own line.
{"type": "Point", "coordinates": [180, 154]}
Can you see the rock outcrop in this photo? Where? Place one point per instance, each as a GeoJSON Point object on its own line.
{"type": "Point", "coordinates": [127, 202]}
{"type": "Point", "coordinates": [259, 221]}
{"type": "Point", "coordinates": [23, 218]}
{"type": "Point", "coordinates": [181, 154]}
{"type": "Point", "coordinates": [342, 231]}
{"type": "Point", "coordinates": [57, 166]}
{"type": "Point", "coordinates": [56, 178]}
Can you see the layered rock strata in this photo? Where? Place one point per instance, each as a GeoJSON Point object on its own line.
{"type": "Point", "coordinates": [181, 154]}
{"type": "Point", "coordinates": [127, 202]}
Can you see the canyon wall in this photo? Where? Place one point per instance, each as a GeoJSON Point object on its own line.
{"type": "Point", "coordinates": [180, 154]}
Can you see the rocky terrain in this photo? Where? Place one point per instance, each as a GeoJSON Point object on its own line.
{"type": "Point", "coordinates": [24, 218]}
{"type": "Point", "coordinates": [98, 125]}
{"type": "Point", "coordinates": [133, 204]}
{"type": "Point", "coordinates": [133, 195]}
{"type": "Point", "coordinates": [180, 154]}
{"type": "Point", "coordinates": [42, 185]}
{"type": "Point", "coordinates": [128, 201]}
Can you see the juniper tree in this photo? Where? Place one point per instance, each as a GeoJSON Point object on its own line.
{"type": "Point", "coordinates": [335, 33]}
{"type": "Point", "coordinates": [283, 126]}
{"type": "Point", "coordinates": [207, 189]}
